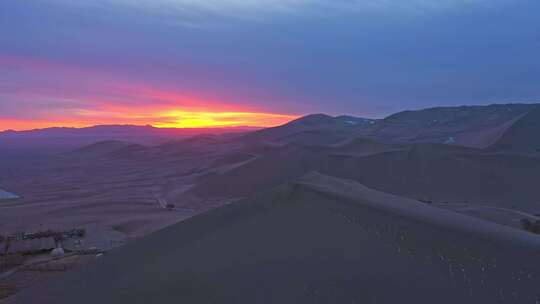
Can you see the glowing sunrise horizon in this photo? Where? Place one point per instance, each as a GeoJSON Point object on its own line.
{"type": "Point", "coordinates": [171, 119]}
{"type": "Point", "coordinates": [56, 94]}
{"type": "Point", "coordinates": [193, 64]}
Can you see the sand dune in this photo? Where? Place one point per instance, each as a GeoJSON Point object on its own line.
{"type": "Point", "coordinates": [473, 126]}
{"type": "Point", "coordinates": [315, 129]}
{"type": "Point", "coordinates": [202, 172]}
{"type": "Point", "coordinates": [318, 240]}
{"type": "Point", "coordinates": [421, 171]}
{"type": "Point", "coordinates": [523, 135]}
{"type": "Point", "coordinates": [314, 239]}
{"type": "Point", "coordinates": [116, 190]}
{"type": "Point", "coordinates": [103, 148]}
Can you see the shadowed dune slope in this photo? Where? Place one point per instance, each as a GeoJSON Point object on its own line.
{"type": "Point", "coordinates": [473, 126]}
{"type": "Point", "coordinates": [523, 135]}
{"type": "Point", "coordinates": [315, 129]}
{"type": "Point", "coordinates": [102, 148]}
{"type": "Point", "coordinates": [420, 171]}
{"type": "Point", "coordinates": [318, 240]}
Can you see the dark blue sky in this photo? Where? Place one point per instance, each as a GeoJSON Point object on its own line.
{"type": "Point", "coordinates": [61, 60]}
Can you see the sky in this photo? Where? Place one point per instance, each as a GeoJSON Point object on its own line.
{"type": "Point", "coordinates": [194, 63]}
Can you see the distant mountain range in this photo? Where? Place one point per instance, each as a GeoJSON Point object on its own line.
{"type": "Point", "coordinates": [441, 143]}
{"type": "Point", "coordinates": [24, 147]}
{"type": "Point", "coordinates": [118, 132]}
{"type": "Point", "coordinates": [471, 126]}
{"type": "Point", "coordinates": [507, 127]}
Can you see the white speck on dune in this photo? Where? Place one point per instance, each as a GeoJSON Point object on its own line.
{"type": "Point", "coordinates": [4, 195]}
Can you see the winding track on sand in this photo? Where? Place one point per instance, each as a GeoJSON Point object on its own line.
{"type": "Point", "coordinates": [478, 207]}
